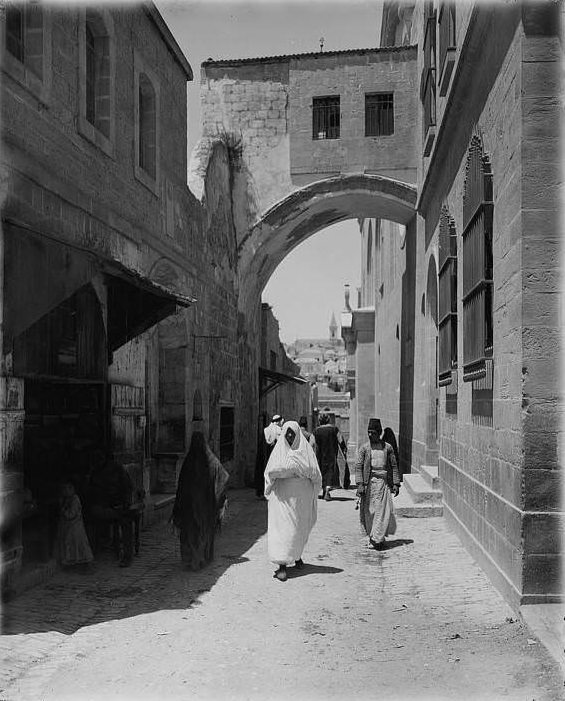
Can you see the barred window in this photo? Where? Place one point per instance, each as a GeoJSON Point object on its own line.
{"type": "Point", "coordinates": [379, 114]}
{"type": "Point", "coordinates": [24, 35]}
{"type": "Point", "coordinates": [325, 117]}
{"type": "Point", "coordinates": [477, 263]}
{"type": "Point", "coordinates": [226, 433]}
{"type": "Point", "coordinates": [447, 297]}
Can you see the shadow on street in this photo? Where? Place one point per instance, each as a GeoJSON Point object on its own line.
{"type": "Point", "coordinates": [157, 580]}
{"type": "Point", "coordinates": [312, 569]}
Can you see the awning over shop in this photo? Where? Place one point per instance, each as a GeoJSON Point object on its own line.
{"type": "Point", "coordinates": [270, 380]}
{"type": "Point", "coordinates": [49, 302]}
{"type": "Point", "coordinates": [135, 304]}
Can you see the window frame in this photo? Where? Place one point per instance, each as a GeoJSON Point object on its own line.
{"type": "Point", "coordinates": [447, 23]}
{"type": "Point", "coordinates": [428, 79]}
{"type": "Point", "coordinates": [317, 105]}
{"type": "Point", "coordinates": [18, 70]}
{"type": "Point", "coordinates": [227, 445]}
{"type": "Point", "coordinates": [377, 122]}
{"type": "Point", "coordinates": [478, 211]}
{"type": "Point", "coordinates": [447, 301]}
{"type": "Point", "coordinates": [84, 127]}
{"type": "Point", "coordinates": [141, 68]}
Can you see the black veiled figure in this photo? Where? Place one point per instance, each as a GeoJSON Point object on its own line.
{"type": "Point", "coordinates": [195, 509]}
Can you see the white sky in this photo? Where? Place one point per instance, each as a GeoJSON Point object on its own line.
{"type": "Point", "coordinates": [308, 285]}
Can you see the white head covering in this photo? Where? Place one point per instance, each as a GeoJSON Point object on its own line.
{"type": "Point", "coordinates": [297, 460]}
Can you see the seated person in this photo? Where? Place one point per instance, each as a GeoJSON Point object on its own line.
{"type": "Point", "coordinates": [111, 493]}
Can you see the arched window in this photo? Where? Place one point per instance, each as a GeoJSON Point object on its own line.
{"type": "Point", "coordinates": [447, 297]}
{"type": "Point", "coordinates": [24, 35]}
{"type": "Point", "coordinates": [147, 126]}
{"type": "Point", "coordinates": [477, 262]}
{"type": "Point", "coordinates": [98, 73]}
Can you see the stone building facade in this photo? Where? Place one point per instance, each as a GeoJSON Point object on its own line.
{"type": "Point", "coordinates": [475, 327]}
{"type": "Point", "coordinates": [119, 287]}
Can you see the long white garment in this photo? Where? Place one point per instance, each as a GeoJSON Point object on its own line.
{"type": "Point", "coordinates": [292, 483]}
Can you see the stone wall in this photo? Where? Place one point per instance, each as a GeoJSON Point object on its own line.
{"type": "Point", "coordinates": [351, 75]}
{"type": "Point", "coordinates": [502, 502]}
{"type": "Point", "coordinates": [75, 210]}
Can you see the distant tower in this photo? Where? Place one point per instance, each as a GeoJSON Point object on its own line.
{"type": "Point", "coordinates": [333, 329]}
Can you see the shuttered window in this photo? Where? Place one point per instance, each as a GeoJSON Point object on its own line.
{"type": "Point", "coordinates": [477, 263]}
{"type": "Point", "coordinates": [428, 78]}
{"type": "Point", "coordinates": [447, 298]}
{"type": "Point", "coordinates": [447, 38]}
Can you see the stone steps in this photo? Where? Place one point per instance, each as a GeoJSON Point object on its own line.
{"type": "Point", "coordinates": [420, 490]}
{"type": "Point", "coordinates": [406, 507]}
{"type": "Point", "coordinates": [420, 495]}
{"type": "Point", "coordinates": [431, 475]}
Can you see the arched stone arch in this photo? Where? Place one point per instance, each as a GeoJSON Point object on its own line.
{"type": "Point", "coordinates": [310, 209]}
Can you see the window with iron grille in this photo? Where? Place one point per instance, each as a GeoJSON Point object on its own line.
{"type": "Point", "coordinates": [428, 78]}
{"type": "Point", "coordinates": [226, 433]}
{"type": "Point", "coordinates": [24, 35]}
{"type": "Point", "coordinates": [325, 117]}
{"type": "Point", "coordinates": [477, 263]}
{"type": "Point", "coordinates": [379, 114]}
{"type": "Point", "coordinates": [447, 297]}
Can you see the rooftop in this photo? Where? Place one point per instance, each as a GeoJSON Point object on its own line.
{"type": "Point", "coordinates": [313, 54]}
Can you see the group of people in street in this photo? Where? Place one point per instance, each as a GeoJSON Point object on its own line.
{"type": "Point", "coordinates": [300, 465]}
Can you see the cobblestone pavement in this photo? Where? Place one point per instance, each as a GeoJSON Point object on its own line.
{"type": "Point", "coordinates": [417, 621]}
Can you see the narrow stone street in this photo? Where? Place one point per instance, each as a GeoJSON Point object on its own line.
{"type": "Point", "coordinates": [417, 621]}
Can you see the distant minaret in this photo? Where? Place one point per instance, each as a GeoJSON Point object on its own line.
{"type": "Point", "coordinates": [333, 329]}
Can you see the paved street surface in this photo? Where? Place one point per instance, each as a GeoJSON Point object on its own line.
{"type": "Point", "coordinates": [417, 621]}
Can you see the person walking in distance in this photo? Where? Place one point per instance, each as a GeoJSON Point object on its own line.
{"type": "Point", "coordinates": [303, 423]}
{"type": "Point", "coordinates": [375, 460]}
{"type": "Point", "coordinates": [268, 439]}
{"type": "Point", "coordinates": [292, 482]}
{"type": "Point", "coordinates": [328, 441]}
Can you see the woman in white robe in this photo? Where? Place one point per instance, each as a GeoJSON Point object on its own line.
{"type": "Point", "coordinates": [292, 483]}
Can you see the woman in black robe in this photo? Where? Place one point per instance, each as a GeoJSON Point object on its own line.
{"type": "Point", "coordinates": [200, 497]}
